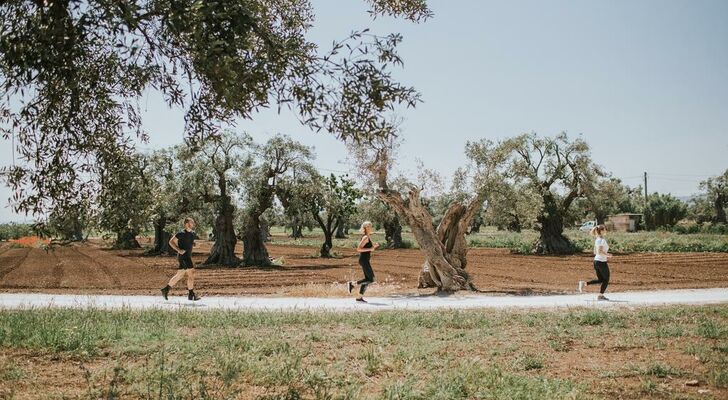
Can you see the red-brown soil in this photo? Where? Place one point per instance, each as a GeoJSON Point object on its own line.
{"type": "Point", "coordinates": [92, 268]}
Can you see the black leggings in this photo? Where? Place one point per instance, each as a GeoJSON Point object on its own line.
{"type": "Point", "coordinates": [368, 275]}
{"type": "Point", "coordinates": [602, 270]}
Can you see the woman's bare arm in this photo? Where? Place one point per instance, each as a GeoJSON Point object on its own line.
{"type": "Point", "coordinates": [360, 248]}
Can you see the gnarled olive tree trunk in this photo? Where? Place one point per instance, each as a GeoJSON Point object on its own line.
{"type": "Point", "coordinates": [328, 228]}
{"type": "Point", "coordinates": [161, 238]}
{"type": "Point", "coordinates": [475, 226]}
{"type": "Point", "coordinates": [254, 235]}
{"type": "Point", "coordinates": [126, 240]}
{"type": "Point", "coordinates": [445, 248]}
{"type": "Point", "coordinates": [223, 251]}
{"type": "Point", "coordinates": [296, 230]}
{"type": "Point", "coordinates": [393, 233]}
{"type": "Point", "coordinates": [551, 228]}
{"type": "Point", "coordinates": [255, 232]}
{"type": "Point", "coordinates": [340, 226]}
{"type": "Point", "coordinates": [718, 205]}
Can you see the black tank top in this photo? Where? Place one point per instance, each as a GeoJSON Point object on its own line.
{"type": "Point", "coordinates": [365, 255]}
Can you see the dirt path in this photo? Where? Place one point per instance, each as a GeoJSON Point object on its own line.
{"type": "Point", "coordinates": [89, 268]}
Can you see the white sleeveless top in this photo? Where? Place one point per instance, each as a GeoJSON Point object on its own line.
{"type": "Point", "coordinates": [597, 243]}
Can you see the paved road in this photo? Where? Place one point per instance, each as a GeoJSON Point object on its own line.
{"type": "Point", "coordinates": [457, 301]}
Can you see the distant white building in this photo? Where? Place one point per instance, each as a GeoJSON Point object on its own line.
{"type": "Point", "coordinates": [624, 222]}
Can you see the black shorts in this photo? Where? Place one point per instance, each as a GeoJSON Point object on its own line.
{"type": "Point", "coordinates": [185, 263]}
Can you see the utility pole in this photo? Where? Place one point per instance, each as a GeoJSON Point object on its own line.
{"type": "Point", "coordinates": [645, 188]}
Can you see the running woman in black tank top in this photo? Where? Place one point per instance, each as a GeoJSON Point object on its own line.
{"type": "Point", "coordinates": [365, 249]}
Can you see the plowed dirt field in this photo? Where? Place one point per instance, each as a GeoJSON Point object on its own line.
{"type": "Point", "coordinates": [93, 268]}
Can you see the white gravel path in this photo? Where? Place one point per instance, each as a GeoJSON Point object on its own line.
{"type": "Point", "coordinates": [456, 301]}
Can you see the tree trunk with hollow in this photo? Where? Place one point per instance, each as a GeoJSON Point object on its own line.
{"type": "Point", "coordinates": [445, 248]}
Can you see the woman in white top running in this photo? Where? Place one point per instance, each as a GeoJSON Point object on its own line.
{"type": "Point", "coordinates": [601, 255]}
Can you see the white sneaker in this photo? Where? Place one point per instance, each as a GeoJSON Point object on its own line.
{"type": "Point", "coordinates": [581, 286]}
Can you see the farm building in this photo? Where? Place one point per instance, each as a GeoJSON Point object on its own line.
{"type": "Point", "coordinates": [624, 222]}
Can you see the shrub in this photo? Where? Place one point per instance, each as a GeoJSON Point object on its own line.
{"type": "Point", "coordinates": [15, 231]}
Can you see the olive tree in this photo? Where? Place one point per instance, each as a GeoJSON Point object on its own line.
{"type": "Point", "coordinates": [124, 203]}
{"type": "Point", "coordinates": [173, 196]}
{"type": "Point", "coordinates": [559, 170]}
{"type": "Point", "coordinates": [512, 207]}
{"type": "Point", "coordinates": [69, 221]}
{"type": "Point", "coordinates": [295, 194]}
{"type": "Point", "coordinates": [213, 174]}
{"type": "Point", "coordinates": [716, 191]}
{"type": "Point", "coordinates": [663, 211]}
{"type": "Point", "coordinates": [275, 161]}
{"type": "Point", "coordinates": [331, 204]}
{"type": "Point", "coordinates": [444, 246]}
{"type": "Point", "coordinates": [73, 72]}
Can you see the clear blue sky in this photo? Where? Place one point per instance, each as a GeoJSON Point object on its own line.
{"type": "Point", "coordinates": [644, 82]}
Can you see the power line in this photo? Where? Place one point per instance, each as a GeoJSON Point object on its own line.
{"type": "Point", "coordinates": [685, 175]}
{"type": "Point", "coordinates": [675, 179]}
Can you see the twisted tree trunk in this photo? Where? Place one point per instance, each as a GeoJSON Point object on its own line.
{"type": "Point", "coordinates": [393, 233]}
{"type": "Point", "coordinates": [264, 230]}
{"type": "Point", "coordinates": [327, 246]}
{"type": "Point", "coordinates": [161, 238]}
{"type": "Point", "coordinates": [340, 224]}
{"type": "Point", "coordinates": [445, 248]}
{"type": "Point", "coordinates": [475, 225]}
{"type": "Point", "coordinates": [256, 228]}
{"type": "Point", "coordinates": [551, 239]}
{"type": "Point", "coordinates": [719, 204]}
{"type": "Point", "coordinates": [126, 240]}
{"type": "Point", "coordinates": [296, 230]}
{"type": "Point", "coordinates": [254, 250]}
{"type": "Point", "coordinates": [328, 228]}
{"type": "Point", "coordinates": [515, 224]}
{"type": "Point", "coordinates": [223, 251]}
{"type": "Point", "coordinates": [75, 231]}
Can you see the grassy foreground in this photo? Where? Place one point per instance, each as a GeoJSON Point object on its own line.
{"type": "Point", "coordinates": [482, 354]}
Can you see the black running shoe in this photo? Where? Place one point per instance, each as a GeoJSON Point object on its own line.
{"type": "Point", "coordinates": [361, 299]}
{"type": "Point", "coordinates": [165, 291]}
{"type": "Point", "coordinates": [350, 286]}
{"type": "Point", "coordinates": [192, 296]}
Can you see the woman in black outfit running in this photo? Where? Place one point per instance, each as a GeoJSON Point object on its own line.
{"type": "Point", "coordinates": [365, 249]}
